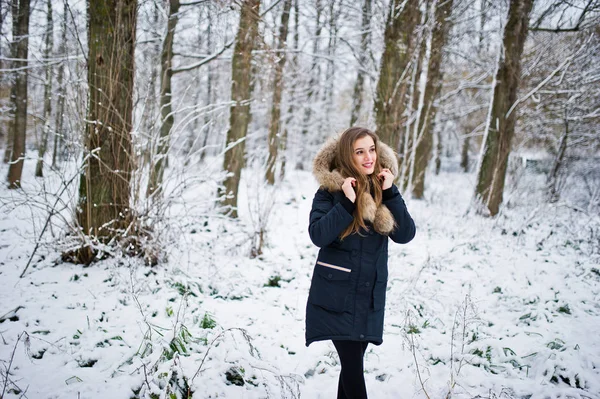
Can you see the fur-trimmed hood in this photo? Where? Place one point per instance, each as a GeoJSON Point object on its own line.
{"type": "Point", "coordinates": [332, 180]}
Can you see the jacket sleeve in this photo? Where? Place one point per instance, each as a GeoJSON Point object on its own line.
{"type": "Point", "coordinates": [405, 226]}
{"type": "Point", "coordinates": [328, 221]}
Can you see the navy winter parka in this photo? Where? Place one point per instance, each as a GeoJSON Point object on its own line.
{"type": "Point", "coordinates": [346, 300]}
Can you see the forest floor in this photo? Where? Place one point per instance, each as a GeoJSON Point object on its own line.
{"type": "Point", "coordinates": [476, 307]}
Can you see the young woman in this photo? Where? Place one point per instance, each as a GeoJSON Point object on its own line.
{"type": "Point", "coordinates": [353, 213]}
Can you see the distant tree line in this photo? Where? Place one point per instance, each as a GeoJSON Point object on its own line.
{"type": "Point", "coordinates": [120, 86]}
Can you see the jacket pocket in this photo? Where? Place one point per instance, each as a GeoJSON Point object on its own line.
{"type": "Point", "coordinates": [330, 286]}
{"type": "Point", "coordinates": [380, 287]}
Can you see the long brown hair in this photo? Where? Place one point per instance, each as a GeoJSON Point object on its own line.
{"type": "Point", "coordinates": [344, 163]}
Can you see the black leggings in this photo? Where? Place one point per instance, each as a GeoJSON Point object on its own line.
{"type": "Point", "coordinates": [352, 379]}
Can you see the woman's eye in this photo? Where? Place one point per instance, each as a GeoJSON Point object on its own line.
{"type": "Point", "coordinates": [358, 152]}
{"type": "Point", "coordinates": [372, 149]}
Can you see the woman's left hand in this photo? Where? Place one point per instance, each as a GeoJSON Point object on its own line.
{"type": "Point", "coordinates": [388, 178]}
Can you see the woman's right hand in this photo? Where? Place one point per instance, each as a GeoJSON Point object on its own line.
{"type": "Point", "coordinates": [347, 188]}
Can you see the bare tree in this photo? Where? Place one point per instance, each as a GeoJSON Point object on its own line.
{"type": "Point", "coordinates": [61, 92]}
{"type": "Point", "coordinates": [209, 83]}
{"type": "Point", "coordinates": [49, 44]}
{"type": "Point", "coordinates": [335, 9]}
{"type": "Point", "coordinates": [315, 73]}
{"type": "Point", "coordinates": [394, 73]}
{"type": "Point", "coordinates": [104, 190]}
{"type": "Point", "coordinates": [292, 93]}
{"type": "Point", "coordinates": [501, 122]}
{"type": "Point", "coordinates": [239, 117]}
{"type": "Point", "coordinates": [432, 90]}
{"type": "Point", "coordinates": [14, 8]}
{"type": "Point", "coordinates": [274, 125]}
{"type": "Point", "coordinates": [357, 96]}
{"type": "Point", "coordinates": [19, 127]}
{"type": "Point", "coordinates": [160, 157]}
{"type": "Point", "coordinates": [414, 96]}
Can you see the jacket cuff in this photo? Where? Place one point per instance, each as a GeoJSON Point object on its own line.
{"type": "Point", "coordinates": [348, 205]}
{"type": "Point", "coordinates": [388, 194]}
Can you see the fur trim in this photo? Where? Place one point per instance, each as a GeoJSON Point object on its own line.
{"type": "Point", "coordinates": [330, 179]}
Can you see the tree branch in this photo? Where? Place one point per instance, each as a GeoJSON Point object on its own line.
{"type": "Point", "coordinates": [204, 61]}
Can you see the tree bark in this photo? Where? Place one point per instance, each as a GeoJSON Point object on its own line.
{"type": "Point", "coordinates": [160, 157]}
{"type": "Point", "coordinates": [395, 64]}
{"type": "Point", "coordinates": [501, 126]}
{"type": "Point", "coordinates": [357, 95]}
{"type": "Point", "coordinates": [552, 181]}
{"type": "Point", "coordinates": [313, 84]}
{"type": "Point", "coordinates": [14, 9]}
{"type": "Point", "coordinates": [19, 127]}
{"type": "Point", "coordinates": [239, 116]}
{"type": "Point", "coordinates": [432, 89]}
{"type": "Point", "coordinates": [331, 48]}
{"type": "Point", "coordinates": [104, 190]}
{"type": "Point", "coordinates": [209, 87]}
{"type": "Point", "coordinates": [464, 154]}
{"type": "Point", "coordinates": [414, 96]}
{"type": "Point", "coordinates": [47, 93]}
{"type": "Point", "coordinates": [275, 125]}
{"type": "Point", "coordinates": [438, 152]}
{"type": "Point", "coordinates": [292, 91]}
{"type": "Point", "coordinates": [59, 134]}
{"type": "Point", "coordinates": [150, 106]}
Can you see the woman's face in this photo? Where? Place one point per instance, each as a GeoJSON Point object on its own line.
{"type": "Point", "coordinates": [364, 155]}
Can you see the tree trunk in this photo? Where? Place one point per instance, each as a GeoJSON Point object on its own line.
{"type": "Point", "coordinates": [413, 102]}
{"type": "Point", "coordinates": [19, 127]}
{"type": "Point", "coordinates": [239, 116]}
{"type": "Point", "coordinates": [313, 83]}
{"type": "Point", "coordinates": [464, 154]}
{"type": "Point", "coordinates": [357, 95]}
{"type": "Point", "coordinates": [438, 153]}
{"type": "Point", "coordinates": [501, 125]}
{"type": "Point", "coordinates": [331, 47]}
{"type": "Point", "coordinates": [292, 91]}
{"type": "Point", "coordinates": [432, 89]}
{"type": "Point", "coordinates": [14, 8]}
{"type": "Point", "coordinates": [47, 93]}
{"type": "Point", "coordinates": [4, 78]}
{"type": "Point", "coordinates": [552, 181]}
{"type": "Point", "coordinates": [59, 134]}
{"type": "Point", "coordinates": [104, 189]}
{"type": "Point", "coordinates": [209, 87]}
{"type": "Point", "coordinates": [160, 157]}
{"type": "Point", "coordinates": [395, 64]}
{"type": "Point", "coordinates": [274, 126]}
{"type": "Point", "coordinates": [150, 111]}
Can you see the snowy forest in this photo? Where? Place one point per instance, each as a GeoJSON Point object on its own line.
{"type": "Point", "coordinates": [157, 184]}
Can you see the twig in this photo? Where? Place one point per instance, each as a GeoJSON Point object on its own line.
{"type": "Point", "coordinates": [414, 352]}
{"type": "Point", "coordinates": [12, 356]}
{"type": "Point", "coordinates": [211, 346]}
{"type": "Point", "coordinates": [52, 213]}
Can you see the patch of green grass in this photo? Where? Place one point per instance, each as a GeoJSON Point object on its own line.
{"type": "Point", "coordinates": [435, 360]}
{"type": "Point", "coordinates": [412, 329]}
{"type": "Point", "coordinates": [273, 281]}
{"type": "Point", "coordinates": [564, 309]}
{"type": "Point", "coordinates": [557, 344]}
{"type": "Point", "coordinates": [183, 289]}
{"type": "Point", "coordinates": [208, 322]}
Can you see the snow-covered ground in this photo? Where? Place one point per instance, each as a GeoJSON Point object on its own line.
{"type": "Point", "coordinates": [491, 308]}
